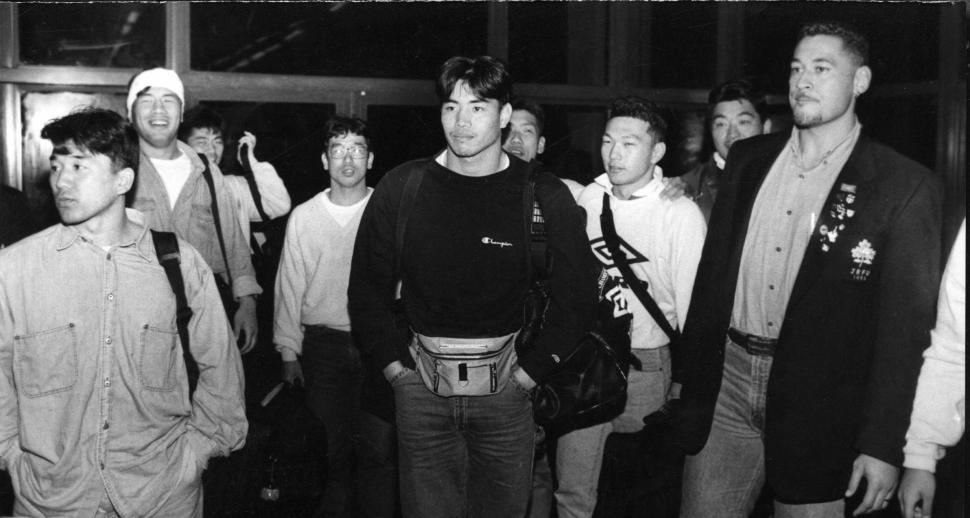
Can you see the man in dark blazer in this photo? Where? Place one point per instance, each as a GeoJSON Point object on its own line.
{"type": "Point", "coordinates": [812, 305]}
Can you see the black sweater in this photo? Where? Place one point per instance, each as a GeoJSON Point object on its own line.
{"type": "Point", "coordinates": [465, 267]}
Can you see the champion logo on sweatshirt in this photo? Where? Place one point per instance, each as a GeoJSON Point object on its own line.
{"type": "Point", "coordinates": [501, 244]}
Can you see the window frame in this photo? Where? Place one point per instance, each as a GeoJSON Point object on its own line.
{"type": "Point", "coordinates": [353, 95]}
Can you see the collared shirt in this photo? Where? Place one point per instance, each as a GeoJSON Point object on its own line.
{"type": "Point", "coordinates": [663, 241]}
{"type": "Point", "coordinates": [314, 273]}
{"type": "Point", "coordinates": [93, 388]}
{"type": "Point", "coordinates": [192, 219]}
{"type": "Point", "coordinates": [782, 222]}
{"type": "Point", "coordinates": [719, 161]}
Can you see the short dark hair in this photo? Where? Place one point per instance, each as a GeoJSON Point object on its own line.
{"type": "Point", "coordinates": [338, 126]}
{"type": "Point", "coordinates": [97, 131]}
{"type": "Point", "coordinates": [486, 76]}
{"type": "Point", "coordinates": [522, 103]}
{"type": "Point", "coordinates": [640, 108]}
{"type": "Point", "coordinates": [201, 117]}
{"type": "Point", "coordinates": [737, 90]}
{"type": "Point", "coordinates": [852, 39]}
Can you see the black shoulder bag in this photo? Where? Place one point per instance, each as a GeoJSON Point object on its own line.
{"type": "Point", "coordinates": [590, 386]}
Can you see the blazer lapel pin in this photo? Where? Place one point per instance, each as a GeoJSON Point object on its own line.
{"type": "Point", "coordinates": [838, 214]}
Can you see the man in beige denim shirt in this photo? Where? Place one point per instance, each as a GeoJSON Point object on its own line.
{"type": "Point", "coordinates": [95, 413]}
{"type": "Point", "coordinates": [174, 196]}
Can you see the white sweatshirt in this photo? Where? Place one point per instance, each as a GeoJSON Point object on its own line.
{"type": "Point", "coordinates": [662, 240]}
{"type": "Point", "coordinates": [314, 271]}
{"type": "Point", "coordinates": [938, 418]}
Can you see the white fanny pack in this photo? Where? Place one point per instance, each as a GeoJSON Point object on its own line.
{"type": "Point", "coordinates": [464, 366]}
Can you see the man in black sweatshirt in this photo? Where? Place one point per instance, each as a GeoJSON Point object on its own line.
{"type": "Point", "coordinates": [462, 258]}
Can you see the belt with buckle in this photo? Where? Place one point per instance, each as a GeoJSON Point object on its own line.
{"type": "Point", "coordinates": [754, 344]}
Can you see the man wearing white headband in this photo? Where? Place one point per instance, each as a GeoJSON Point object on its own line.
{"type": "Point", "coordinates": [173, 194]}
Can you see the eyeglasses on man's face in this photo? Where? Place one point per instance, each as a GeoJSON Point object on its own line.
{"type": "Point", "coordinates": [356, 152]}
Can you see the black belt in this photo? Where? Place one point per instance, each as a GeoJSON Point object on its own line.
{"type": "Point", "coordinates": [754, 344]}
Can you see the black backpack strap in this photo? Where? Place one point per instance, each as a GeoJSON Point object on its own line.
{"type": "Point", "coordinates": [638, 286]}
{"type": "Point", "coordinates": [167, 250]}
{"type": "Point", "coordinates": [257, 200]}
{"type": "Point", "coordinates": [408, 196]}
{"type": "Point", "coordinates": [207, 174]}
{"type": "Point", "coordinates": [535, 226]}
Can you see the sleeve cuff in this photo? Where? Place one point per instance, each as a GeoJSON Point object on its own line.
{"type": "Point", "coordinates": [921, 455]}
{"type": "Point", "coordinates": [287, 354]}
{"type": "Point", "coordinates": [203, 447]}
{"type": "Point", "coordinates": [245, 285]}
{"type": "Point", "coordinates": [7, 461]}
{"type": "Point", "coordinates": [920, 462]}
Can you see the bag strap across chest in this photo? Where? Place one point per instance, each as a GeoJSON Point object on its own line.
{"type": "Point", "coordinates": [638, 286]}
{"type": "Point", "coordinates": [216, 218]}
{"type": "Point", "coordinates": [167, 251]}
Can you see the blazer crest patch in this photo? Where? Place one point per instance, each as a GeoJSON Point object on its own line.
{"type": "Point", "coordinates": [862, 257]}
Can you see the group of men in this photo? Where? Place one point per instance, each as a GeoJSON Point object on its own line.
{"type": "Point", "coordinates": [805, 302]}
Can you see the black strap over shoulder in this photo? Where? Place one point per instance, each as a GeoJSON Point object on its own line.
{"type": "Point", "coordinates": [638, 286]}
{"type": "Point", "coordinates": [408, 196]}
{"type": "Point", "coordinates": [167, 250]}
{"type": "Point", "coordinates": [257, 200]}
{"type": "Point", "coordinates": [207, 174]}
{"type": "Point", "coordinates": [253, 188]}
{"type": "Point", "coordinates": [535, 227]}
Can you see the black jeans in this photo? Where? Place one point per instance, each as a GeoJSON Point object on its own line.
{"type": "Point", "coordinates": [357, 442]}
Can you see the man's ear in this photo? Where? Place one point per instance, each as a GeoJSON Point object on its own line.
{"type": "Point", "coordinates": [506, 114]}
{"type": "Point", "coordinates": [861, 80]}
{"type": "Point", "coordinates": [766, 127]}
{"type": "Point", "coordinates": [126, 179]}
{"type": "Point", "coordinates": [659, 150]}
{"type": "Point", "coordinates": [542, 146]}
{"type": "Point", "coordinates": [370, 160]}
{"type": "Point", "coordinates": [325, 161]}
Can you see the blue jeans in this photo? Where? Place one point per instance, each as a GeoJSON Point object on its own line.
{"type": "Point", "coordinates": [540, 504]}
{"type": "Point", "coordinates": [464, 456]}
{"type": "Point", "coordinates": [579, 454]}
{"type": "Point", "coordinates": [725, 478]}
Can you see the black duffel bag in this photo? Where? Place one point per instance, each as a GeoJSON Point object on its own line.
{"type": "Point", "coordinates": [590, 386]}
